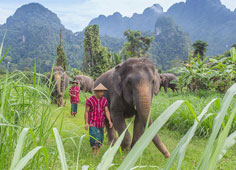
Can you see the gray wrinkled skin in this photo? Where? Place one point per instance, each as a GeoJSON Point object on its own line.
{"type": "Point", "coordinates": [166, 79]}
{"type": "Point", "coordinates": [131, 86]}
{"type": "Point", "coordinates": [62, 80]}
{"type": "Point", "coordinates": [86, 83]}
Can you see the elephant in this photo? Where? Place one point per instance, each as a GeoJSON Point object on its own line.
{"type": "Point", "coordinates": [131, 86]}
{"type": "Point", "coordinates": [86, 83]}
{"type": "Point", "coordinates": [166, 79]}
{"type": "Point", "coordinates": [62, 80]}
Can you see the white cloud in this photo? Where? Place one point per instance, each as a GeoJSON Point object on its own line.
{"type": "Point", "coordinates": [231, 4]}
{"type": "Point", "coordinates": [5, 13]}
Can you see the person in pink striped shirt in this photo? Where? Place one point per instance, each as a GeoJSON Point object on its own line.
{"type": "Point", "coordinates": [95, 111]}
{"type": "Point", "coordinates": [74, 97]}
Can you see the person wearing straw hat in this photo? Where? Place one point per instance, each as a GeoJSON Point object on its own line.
{"type": "Point", "coordinates": [74, 97]}
{"type": "Point", "coordinates": [95, 111]}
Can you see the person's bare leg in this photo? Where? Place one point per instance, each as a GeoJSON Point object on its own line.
{"type": "Point", "coordinates": [94, 151]}
{"type": "Point", "coordinates": [98, 149]}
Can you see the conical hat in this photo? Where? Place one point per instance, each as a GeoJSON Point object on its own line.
{"type": "Point", "coordinates": [100, 87]}
{"type": "Point", "coordinates": [74, 81]}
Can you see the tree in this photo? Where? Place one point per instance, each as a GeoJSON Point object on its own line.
{"type": "Point", "coordinates": [200, 48]}
{"type": "Point", "coordinates": [61, 56]}
{"type": "Point", "coordinates": [234, 45]}
{"type": "Point", "coordinates": [137, 45]}
{"type": "Point", "coordinates": [96, 57]}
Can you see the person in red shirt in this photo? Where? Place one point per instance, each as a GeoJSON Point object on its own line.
{"type": "Point", "coordinates": [95, 111]}
{"type": "Point", "coordinates": [74, 97]}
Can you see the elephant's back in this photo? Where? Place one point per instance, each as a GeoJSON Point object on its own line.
{"type": "Point", "coordinates": [106, 80]}
{"type": "Point", "coordinates": [169, 76]}
{"type": "Point", "coordinates": [86, 78]}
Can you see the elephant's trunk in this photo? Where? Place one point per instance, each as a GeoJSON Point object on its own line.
{"type": "Point", "coordinates": [143, 102]}
{"type": "Point", "coordinates": [60, 89]}
{"type": "Point", "coordinates": [58, 84]}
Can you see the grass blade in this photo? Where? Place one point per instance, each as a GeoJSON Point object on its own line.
{"type": "Point", "coordinates": [182, 145]}
{"type": "Point", "coordinates": [3, 97]}
{"type": "Point", "coordinates": [109, 155]}
{"type": "Point", "coordinates": [4, 55]}
{"type": "Point", "coordinates": [221, 141]}
{"type": "Point", "coordinates": [191, 110]}
{"type": "Point", "coordinates": [1, 47]}
{"type": "Point", "coordinates": [80, 143]}
{"type": "Point", "coordinates": [85, 167]}
{"type": "Point", "coordinates": [60, 148]}
{"type": "Point", "coordinates": [34, 84]}
{"type": "Point", "coordinates": [229, 142]}
{"type": "Point", "coordinates": [216, 127]}
{"type": "Point", "coordinates": [21, 164]}
{"type": "Point", "coordinates": [19, 148]}
{"type": "Point", "coordinates": [191, 133]}
{"type": "Point", "coordinates": [147, 137]}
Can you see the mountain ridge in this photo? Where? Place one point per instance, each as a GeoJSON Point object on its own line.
{"type": "Point", "coordinates": [121, 24]}
{"type": "Point", "coordinates": [33, 32]}
{"type": "Point", "coordinates": [207, 20]}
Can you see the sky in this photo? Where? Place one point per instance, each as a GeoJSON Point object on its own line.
{"type": "Point", "coordinates": [76, 14]}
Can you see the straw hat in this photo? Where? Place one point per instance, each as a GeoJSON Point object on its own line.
{"type": "Point", "coordinates": [100, 87]}
{"type": "Point", "coordinates": [74, 81]}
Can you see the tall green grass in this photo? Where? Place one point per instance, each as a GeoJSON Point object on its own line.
{"type": "Point", "coordinates": [183, 119]}
{"type": "Point", "coordinates": [24, 105]}
{"type": "Point", "coordinates": [25, 108]}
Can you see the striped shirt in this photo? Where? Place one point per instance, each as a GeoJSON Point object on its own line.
{"type": "Point", "coordinates": [74, 91]}
{"type": "Point", "coordinates": [96, 114]}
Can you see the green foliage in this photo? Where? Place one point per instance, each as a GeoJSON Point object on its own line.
{"type": "Point", "coordinates": [96, 57]}
{"type": "Point", "coordinates": [61, 56]}
{"type": "Point", "coordinates": [216, 74]}
{"type": "Point", "coordinates": [200, 48]}
{"type": "Point", "coordinates": [24, 105]}
{"type": "Point", "coordinates": [74, 72]}
{"type": "Point", "coordinates": [116, 59]}
{"type": "Point", "coordinates": [32, 32]}
{"type": "Point", "coordinates": [171, 45]}
{"type": "Point", "coordinates": [137, 45]}
{"type": "Point", "coordinates": [113, 44]}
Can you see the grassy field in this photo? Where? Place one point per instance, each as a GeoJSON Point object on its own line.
{"type": "Point", "coordinates": [73, 129]}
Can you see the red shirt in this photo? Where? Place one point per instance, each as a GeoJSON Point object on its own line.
{"type": "Point", "coordinates": [97, 111]}
{"type": "Point", "coordinates": [74, 91]}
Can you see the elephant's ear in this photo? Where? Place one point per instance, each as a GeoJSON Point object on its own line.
{"type": "Point", "coordinates": [117, 80]}
{"type": "Point", "coordinates": [156, 84]}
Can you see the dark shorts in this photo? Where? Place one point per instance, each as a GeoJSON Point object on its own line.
{"type": "Point", "coordinates": [74, 108]}
{"type": "Point", "coordinates": [96, 136]}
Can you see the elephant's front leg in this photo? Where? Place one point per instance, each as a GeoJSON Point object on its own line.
{"type": "Point", "coordinates": [60, 101]}
{"type": "Point", "coordinates": [166, 86]}
{"type": "Point", "coordinates": [120, 125]}
{"type": "Point", "coordinates": [111, 133]}
{"type": "Point", "coordinates": [138, 130]}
